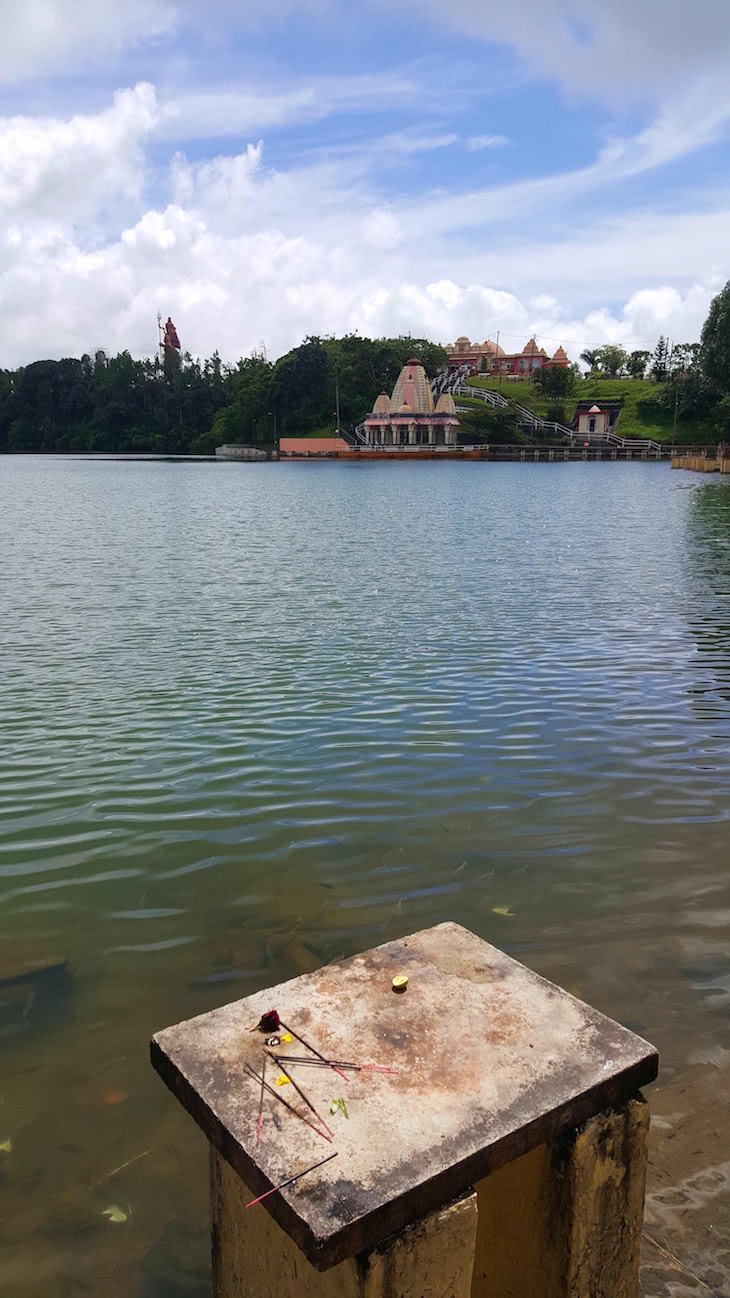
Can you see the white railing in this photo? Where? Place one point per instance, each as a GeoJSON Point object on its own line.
{"type": "Point", "coordinates": [631, 443]}
{"type": "Point", "coordinates": [528, 416]}
{"type": "Point", "coordinates": [495, 399]}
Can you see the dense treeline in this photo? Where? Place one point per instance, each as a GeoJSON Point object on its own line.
{"type": "Point", "coordinates": [185, 407]}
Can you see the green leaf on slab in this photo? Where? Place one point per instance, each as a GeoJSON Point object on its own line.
{"type": "Point", "coordinates": [339, 1104]}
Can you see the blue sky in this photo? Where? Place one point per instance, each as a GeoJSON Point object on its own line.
{"type": "Point", "coordinates": [266, 172]}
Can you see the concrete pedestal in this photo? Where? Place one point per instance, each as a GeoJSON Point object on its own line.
{"type": "Point", "coordinates": [506, 1156]}
{"type": "Point", "coordinates": [564, 1221]}
{"type": "Point", "coordinates": [253, 1258]}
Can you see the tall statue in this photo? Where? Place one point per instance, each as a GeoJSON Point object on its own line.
{"type": "Point", "coordinates": [171, 339]}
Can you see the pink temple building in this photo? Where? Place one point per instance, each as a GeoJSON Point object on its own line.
{"type": "Point", "coordinates": [409, 417]}
{"type": "Point", "coordinates": [489, 358]}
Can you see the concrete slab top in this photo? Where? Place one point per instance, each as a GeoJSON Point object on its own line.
{"type": "Point", "coordinates": [492, 1060]}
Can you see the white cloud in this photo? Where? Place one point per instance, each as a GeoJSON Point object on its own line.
{"type": "Point", "coordinates": [382, 230]}
{"type": "Point", "coordinates": [676, 133]}
{"type": "Point", "coordinates": [209, 114]}
{"type": "Point", "coordinates": [604, 49]}
{"type": "Point", "coordinates": [235, 112]}
{"type": "Point", "coordinates": [51, 35]}
{"type": "Point", "coordinates": [242, 252]}
{"type": "Point", "coordinates": [641, 49]}
{"type": "Point", "coordinates": [237, 250]}
{"type": "Point", "coordinates": [407, 141]}
{"type": "Point", "coordinates": [40, 36]}
{"type": "Point", "coordinates": [57, 36]}
{"type": "Point", "coordinates": [478, 142]}
{"type": "Point", "coordinates": [226, 182]}
{"type": "Point", "coordinates": [69, 170]}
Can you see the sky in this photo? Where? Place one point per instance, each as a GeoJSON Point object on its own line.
{"type": "Point", "coordinates": [265, 172]}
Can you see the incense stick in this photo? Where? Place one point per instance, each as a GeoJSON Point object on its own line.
{"type": "Point", "coordinates": [316, 1063]}
{"type": "Point", "coordinates": [291, 1180]}
{"type": "Point", "coordinates": [307, 1101]}
{"type": "Point", "coordinates": [341, 1063]}
{"type": "Point", "coordinates": [365, 1068]}
{"type": "Point", "coordinates": [261, 1099]}
{"type": "Point", "coordinates": [278, 1096]}
{"type": "Point", "coordinates": [314, 1052]}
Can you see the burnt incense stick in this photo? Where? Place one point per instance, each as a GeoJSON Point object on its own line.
{"type": "Point", "coordinates": [315, 1063]}
{"type": "Point", "coordinates": [291, 1180]}
{"type": "Point", "coordinates": [341, 1063]}
{"type": "Point", "coordinates": [307, 1101]}
{"type": "Point", "coordinates": [374, 1068]}
{"type": "Point", "coordinates": [314, 1052]}
{"type": "Point", "coordinates": [365, 1068]}
{"type": "Point", "coordinates": [251, 1072]}
{"type": "Point", "coordinates": [261, 1098]}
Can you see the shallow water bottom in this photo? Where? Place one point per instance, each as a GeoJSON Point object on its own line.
{"type": "Point", "coordinates": [255, 718]}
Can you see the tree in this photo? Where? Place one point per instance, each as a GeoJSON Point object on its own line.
{"type": "Point", "coordinates": [590, 359]}
{"type": "Point", "coordinates": [556, 380]}
{"type": "Point", "coordinates": [659, 361]}
{"type": "Point", "coordinates": [612, 360]}
{"type": "Point", "coordinates": [715, 341]}
{"type": "Point", "coordinates": [302, 390]}
{"type": "Point", "coordinates": [182, 406]}
{"type": "Point", "coordinates": [246, 417]}
{"type": "Point", "coordinates": [683, 358]}
{"type": "Point", "coordinates": [557, 384]}
{"type": "Point", "coordinates": [7, 408]}
{"type": "Point", "coordinates": [687, 392]}
{"type": "Point", "coordinates": [495, 424]}
{"type": "Point", "coordinates": [637, 363]}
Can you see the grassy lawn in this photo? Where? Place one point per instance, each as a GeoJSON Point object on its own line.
{"type": "Point", "coordinates": [640, 417]}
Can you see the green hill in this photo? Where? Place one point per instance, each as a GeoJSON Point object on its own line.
{"type": "Point", "coordinates": [641, 414]}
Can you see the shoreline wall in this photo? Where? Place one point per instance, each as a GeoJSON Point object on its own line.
{"type": "Point", "coordinates": [305, 446]}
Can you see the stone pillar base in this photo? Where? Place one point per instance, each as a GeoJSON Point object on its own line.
{"type": "Point", "coordinates": [254, 1258]}
{"type": "Point", "coordinates": [565, 1220]}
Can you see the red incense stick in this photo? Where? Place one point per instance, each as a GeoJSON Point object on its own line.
{"type": "Point", "coordinates": [291, 1180]}
{"type": "Point", "coordinates": [277, 1096]}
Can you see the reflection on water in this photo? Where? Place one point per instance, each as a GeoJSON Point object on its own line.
{"type": "Point", "coordinates": [258, 717]}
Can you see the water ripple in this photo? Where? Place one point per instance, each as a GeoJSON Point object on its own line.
{"type": "Point", "coordinates": [252, 721]}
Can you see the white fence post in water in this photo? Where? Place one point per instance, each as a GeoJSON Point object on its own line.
{"type": "Point", "coordinates": [429, 1117]}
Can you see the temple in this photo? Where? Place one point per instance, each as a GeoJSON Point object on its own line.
{"type": "Point", "coordinates": [408, 417]}
{"type": "Point", "coordinates": [489, 358]}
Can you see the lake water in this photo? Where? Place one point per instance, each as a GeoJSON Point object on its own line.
{"type": "Point", "coordinates": [256, 717]}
